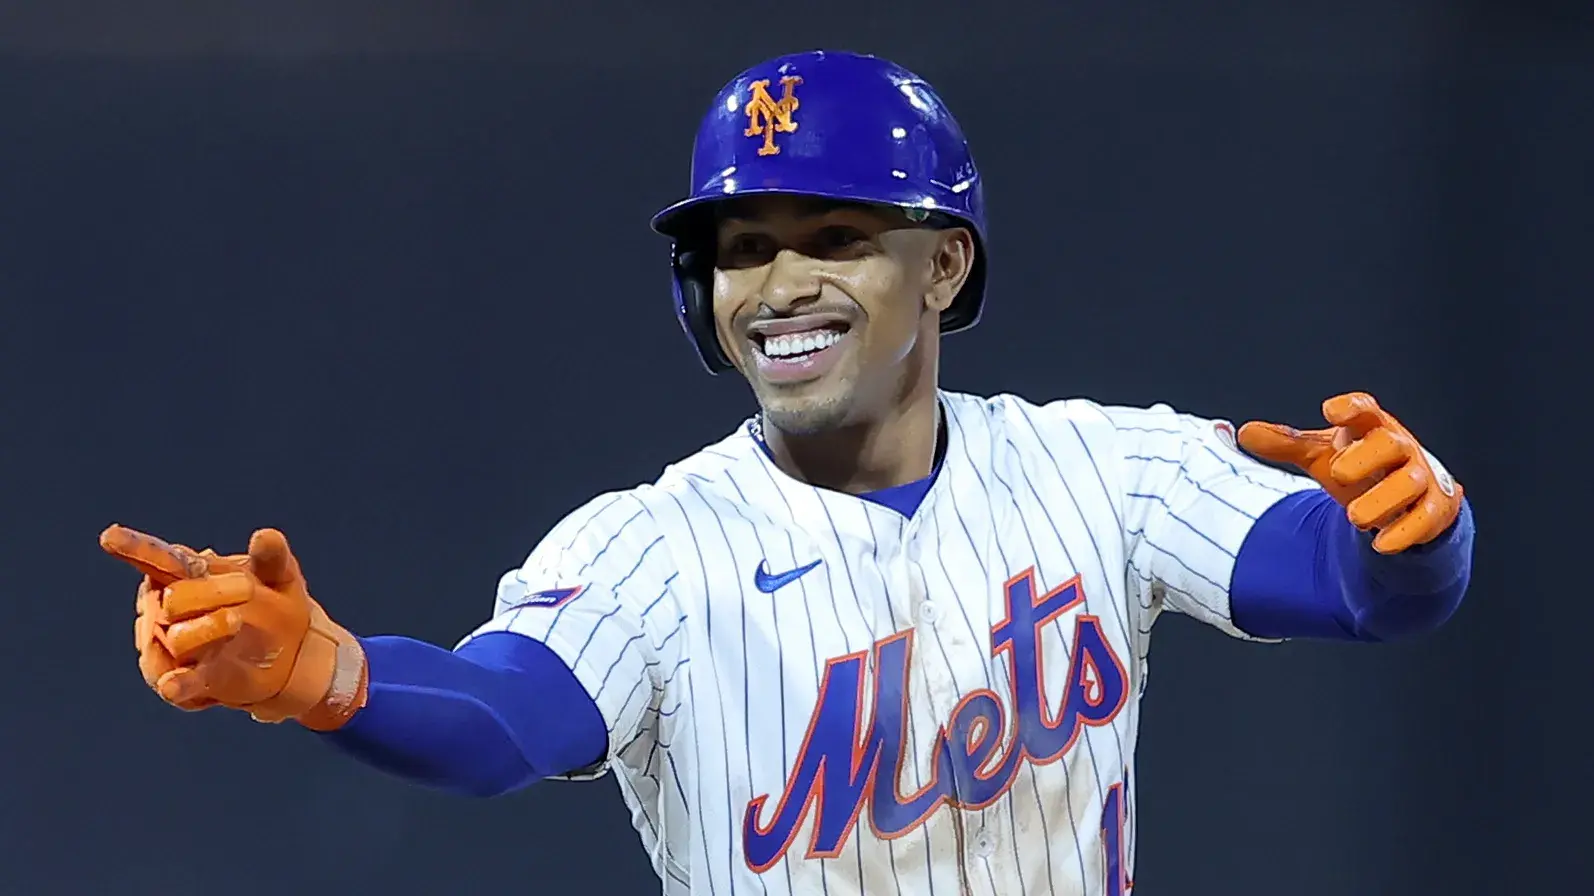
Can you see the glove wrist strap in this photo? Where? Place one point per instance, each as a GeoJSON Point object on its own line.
{"type": "Point", "coordinates": [346, 687]}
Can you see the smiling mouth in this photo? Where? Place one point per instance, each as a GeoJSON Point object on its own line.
{"type": "Point", "coordinates": [799, 345]}
{"type": "Point", "coordinates": [798, 350]}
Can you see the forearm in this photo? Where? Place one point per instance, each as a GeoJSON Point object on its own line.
{"type": "Point", "coordinates": [1305, 572]}
{"type": "Point", "coordinates": [501, 712]}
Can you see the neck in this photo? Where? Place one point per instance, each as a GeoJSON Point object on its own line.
{"type": "Point", "coordinates": [894, 449]}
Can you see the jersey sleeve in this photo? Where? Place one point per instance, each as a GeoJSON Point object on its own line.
{"type": "Point", "coordinates": [597, 591]}
{"type": "Point", "coordinates": [1190, 498]}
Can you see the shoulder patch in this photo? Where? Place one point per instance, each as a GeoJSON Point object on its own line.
{"type": "Point", "coordinates": [549, 597]}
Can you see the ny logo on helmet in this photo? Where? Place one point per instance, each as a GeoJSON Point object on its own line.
{"type": "Point", "coordinates": [767, 116]}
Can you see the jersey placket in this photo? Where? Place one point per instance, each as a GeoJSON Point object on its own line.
{"type": "Point", "coordinates": [948, 666]}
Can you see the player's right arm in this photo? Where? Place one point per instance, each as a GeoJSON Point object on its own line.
{"type": "Point", "coordinates": [516, 702]}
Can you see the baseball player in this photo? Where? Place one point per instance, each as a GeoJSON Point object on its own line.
{"type": "Point", "coordinates": [882, 637]}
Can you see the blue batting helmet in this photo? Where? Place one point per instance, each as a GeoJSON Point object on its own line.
{"type": "Point", "coordinates": [827, 124]}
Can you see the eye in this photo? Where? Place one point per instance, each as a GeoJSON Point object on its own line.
{"type": "Point", "coordinates": [839, 236]}
{"type": "Point", "coordinates": [744, 249]}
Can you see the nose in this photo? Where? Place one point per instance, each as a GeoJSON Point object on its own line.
{"type": "Point", "coordinates": [792, 282]}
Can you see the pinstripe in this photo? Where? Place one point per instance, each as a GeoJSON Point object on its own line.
{"type": "Point", "coordinates": [629, 641]}
{"type": "Point", "coordinates": [813, 653]}
{"type": "Point", "coordinates": [841, 550]}
{"type": "Point", "coordinates": [1101, 562]}
{"type": "Point", "coordinates": [985, 668]}
{"type": "Point", "coordinates": [913, 739]}
{"type": "Point", "coordinates": [697, 743]}
{"type": "Point", "coordinates": [1057, 625]}
{"type": "Point", "coordinates": [747, 696]}
{"type": "Point", "coordinates": [1107, 579]}
{"type": "Point", "coordinates": [725, 740]}
{"type": "Point", "coordinates": [780, 651]}
{"type": "Point", "coordinates": [1012, 814]}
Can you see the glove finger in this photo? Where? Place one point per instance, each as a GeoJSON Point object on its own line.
{"type": "Point", "coordinates": [144, 628]}
{"type": "Point", "coordinates": [271, 560]}
{"type": "Point", "coordinates": [1420, 525]}
{"type": "Point", "coordinates": [1356, 411]}
{"type": "Point", "coordinates": [1376, 453]}
{"type": "Point", "coordinates": [218, 564]}
{"type": "Point", "coordinates": [1285, 444]}
{"type": "Point", "coordinates": [196, 597]}
{"type": "Point", "coordinates": [184, 687]}
{"type": "Point", "coordinates": [162, 561]}
{"type": "Point", "coordinates": [149, 602]}
{"type": "Point", "coordinates": [1389, 499]}
{"type": "Point", "coordinates": [187, 638]}
{"type": "Point", "coordinates": [154, 660]}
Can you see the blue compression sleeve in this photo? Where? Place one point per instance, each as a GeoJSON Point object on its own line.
{"type": "Point", "coordinates": [1305, 572]}
{"type": "Point", "coordinates": [501, 712]}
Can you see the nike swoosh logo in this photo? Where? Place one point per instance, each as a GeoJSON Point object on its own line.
{"type": "Point", "coordinates": [769, 583]}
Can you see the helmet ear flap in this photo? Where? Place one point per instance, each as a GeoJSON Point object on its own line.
{"type": "Point", "coordinates": [694, 305]}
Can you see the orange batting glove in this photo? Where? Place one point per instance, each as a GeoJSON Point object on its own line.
{"type": "Point", "coordinates": [1372, 465]}
{"type": "Point", "coordinates": [239, 631]}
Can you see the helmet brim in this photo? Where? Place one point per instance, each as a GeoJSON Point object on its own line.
{"type": "Point", "coordinates": [692, 215]}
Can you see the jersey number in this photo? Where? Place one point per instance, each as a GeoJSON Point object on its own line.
{"type": "Point", "coordinates": [1112, 841]}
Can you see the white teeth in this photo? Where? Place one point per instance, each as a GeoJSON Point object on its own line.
{"type": "Point", "coordinates": [789, 344]}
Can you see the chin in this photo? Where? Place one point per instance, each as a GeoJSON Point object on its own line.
{"type": "Point", "coordinates": [807, 414]}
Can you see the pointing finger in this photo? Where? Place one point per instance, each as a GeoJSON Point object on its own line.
{"type": "Point", "coordinates": [1285, 444]}
{"type": "Point", "coordinates": [162, 561]}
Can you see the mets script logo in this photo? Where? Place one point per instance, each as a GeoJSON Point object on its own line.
{"type": "Point", "coordinates": [849, 768]}
{"type": "Point", "coordinates": [767, 116]}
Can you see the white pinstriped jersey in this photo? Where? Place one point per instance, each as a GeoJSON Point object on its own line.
{"type": "Point", "coordinates": [807, 692]}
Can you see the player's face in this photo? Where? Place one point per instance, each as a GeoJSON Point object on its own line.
{"type": "Point", "coordinates": [830, 310]}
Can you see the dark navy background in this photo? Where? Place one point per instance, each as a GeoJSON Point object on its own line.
{"type": "Point", "coordinates": [380, 276]}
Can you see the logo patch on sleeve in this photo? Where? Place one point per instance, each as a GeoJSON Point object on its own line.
{"type": "Point", "coordinates": [550, 597]}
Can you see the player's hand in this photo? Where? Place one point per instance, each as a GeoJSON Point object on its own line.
{"type": "Point", "coordinates": [239, 630]}
{"type": "Point", "coordinates": [1372, 465]}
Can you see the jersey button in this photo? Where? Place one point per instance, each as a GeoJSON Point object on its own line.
{"type": "Point", "coordinates": [984, 844]}
{"type": "Point", "coordinates": [929, 613]}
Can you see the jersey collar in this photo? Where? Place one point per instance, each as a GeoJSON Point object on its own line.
{"type": "Point", "coordinates": [851, 517]}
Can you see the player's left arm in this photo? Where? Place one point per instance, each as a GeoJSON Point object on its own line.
{"type": "Point", "coordinates": [1374, 542]}
{"type": "Point", "coordinates": [1387, 540]}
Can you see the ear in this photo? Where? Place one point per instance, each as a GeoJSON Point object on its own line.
{"type": "Point", "coordinates": [950, 264]}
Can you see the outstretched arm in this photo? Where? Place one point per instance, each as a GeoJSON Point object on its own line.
{"type": "Point", "coordinates": [1371, 540]}
{"type": "Point", "coordinates": [1305, 571]}
{"type": "Point", "coordinates": [498, 713]}
{"type": "Point", "coordinates": [535, 692]}
{"type": "Point", "coordinates": [1383, 551]}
